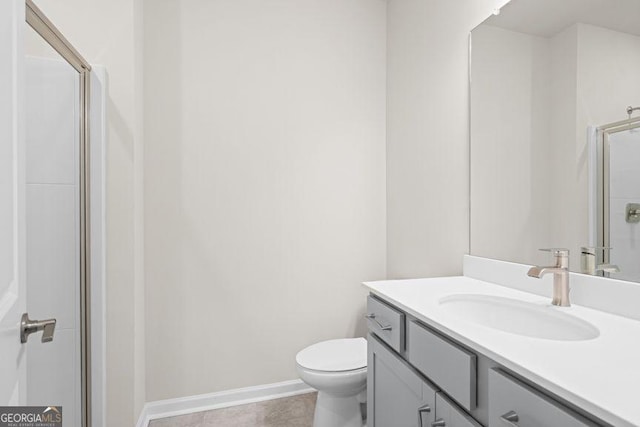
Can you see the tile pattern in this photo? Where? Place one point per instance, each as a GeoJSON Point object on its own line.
{"type": "Point", "coordinates": [295, 411]}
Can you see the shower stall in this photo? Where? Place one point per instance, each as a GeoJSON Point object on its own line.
{"type": "Point", "coordinates": [617, 200]}
{"type": "Point", "coordinates": [51, 152]}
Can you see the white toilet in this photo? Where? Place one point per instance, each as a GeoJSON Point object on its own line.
{"type": "Point", "coordinates": [338, 370]}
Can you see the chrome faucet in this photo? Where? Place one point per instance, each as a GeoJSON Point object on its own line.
{"type": "Point", "coordinates": [589, 261]}
{"type": "Point", "coordinates": [560, 276]}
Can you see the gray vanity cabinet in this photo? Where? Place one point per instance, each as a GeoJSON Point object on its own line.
{"type": "Point", "coordinates": [419, 376]}
{"type": "Point", "coordinates": [397, 395]}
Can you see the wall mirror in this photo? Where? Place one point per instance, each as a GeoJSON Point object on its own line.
{"type": "Point", "coordinates": [555, 134]}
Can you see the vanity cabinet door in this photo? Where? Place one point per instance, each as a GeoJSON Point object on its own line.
{"type": "Point", "coordinates": [513, 403]}
{"type": "Point", "coordinates": [397, 396]}
{"type": "Point", "coordinates": [448, 414]}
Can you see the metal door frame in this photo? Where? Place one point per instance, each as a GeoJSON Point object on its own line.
{"type": "Point", "coordinates": [603, 133]}
{"type": "Point", "coordinates": [48, 31]}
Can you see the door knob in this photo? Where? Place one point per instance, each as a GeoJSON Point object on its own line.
{"type": "Point", "coordinates": [28, 326]}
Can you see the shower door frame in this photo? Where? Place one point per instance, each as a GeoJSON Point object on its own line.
{"type": "Point", "coordinates": [603, 203]}
{"type": "Point", "coordinates": [48, 31]}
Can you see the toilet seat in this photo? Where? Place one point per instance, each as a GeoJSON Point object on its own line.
{"type": "Point", "coordinates": [334, 355]}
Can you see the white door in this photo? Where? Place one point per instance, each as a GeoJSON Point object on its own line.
{"type": "Point", "coordinates": [39, 221]}
{"type": "Point", "coordinates": [12, 215]}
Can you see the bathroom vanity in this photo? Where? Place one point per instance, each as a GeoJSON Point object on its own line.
{"type": "Point", "coordinates": [489, 349]}
{"type": "Point", "coordinates": [549, 165]}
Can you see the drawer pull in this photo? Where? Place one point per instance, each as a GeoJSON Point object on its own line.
{"type": "Point", "coordinates": [510, 418]}
{"type": "Point", "coordinates": [425, 408]}
{"type": "Point", "coordinates": [421, 411]}
{"type": "Point", "coordinates": [372, 316]}
{"type": "Point", "coordinates": [438, 423]}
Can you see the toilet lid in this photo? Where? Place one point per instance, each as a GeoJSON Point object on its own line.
{"type": "Point", "coordinates": [334, 355]}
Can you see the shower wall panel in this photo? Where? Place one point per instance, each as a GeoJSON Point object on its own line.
{"type": "Point", "coordinates": [52, 205]}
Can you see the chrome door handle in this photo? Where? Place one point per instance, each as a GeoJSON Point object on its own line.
{"type": "Point", "coordinates": [28, 326]}
{"type": "Point", "coordinates": [510, 418]}
{"type": "Point", "coordinates": [372, 316]}
{"type": "Point", "coordinates": [438, 423]}
{"type": "Point", "coordinates": [421, 411]}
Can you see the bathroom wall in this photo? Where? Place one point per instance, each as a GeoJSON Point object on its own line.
{"type": "Point", "coordinates": [510, 124]}
{"type": "Point", "coordinates": [607, 76]}
{"type": "Point", "coordinates": [565, 166]}
{"type": "Point", "coordinates": [427, 134]}
{"type": "Point", "coordinates": [106, 33]}
{"type": "Point", "coordinates": [523, 132]}
{"type": "Point", "coordinates": [264, 184]}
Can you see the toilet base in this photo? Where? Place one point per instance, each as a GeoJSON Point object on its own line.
{"type": "Point", "coordinates": [337, 411]}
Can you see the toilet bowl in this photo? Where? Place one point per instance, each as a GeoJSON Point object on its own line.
{"type": "Point", "coordinates": [338, 370]}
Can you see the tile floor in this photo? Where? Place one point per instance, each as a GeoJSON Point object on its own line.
{"type": "Point", "coordinates": [295, 411]}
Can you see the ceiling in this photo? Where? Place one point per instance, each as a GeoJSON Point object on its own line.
{"type": "Point", "coordinates": [546, 18]}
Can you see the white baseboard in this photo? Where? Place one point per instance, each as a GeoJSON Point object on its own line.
{"type": "Point", "coordinates": [223, 399]}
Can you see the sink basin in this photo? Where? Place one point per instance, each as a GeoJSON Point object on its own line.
{"type": "Point", "coordinates": [519, 317]}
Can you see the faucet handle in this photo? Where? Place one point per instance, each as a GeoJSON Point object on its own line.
{"type": "Point", "coordinates": [592, 249]}
{"type": "Point", "coordinates": [557, 252]}
{"type": "Point", "coordinates": [560, 255]}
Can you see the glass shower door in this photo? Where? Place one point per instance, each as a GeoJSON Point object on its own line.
{"type": "Point", "coordinates": [52, 163]}
{"type": "Point", "coordinates": [624, 203]}
{"type": "Point", "coordinates": [56, 362]}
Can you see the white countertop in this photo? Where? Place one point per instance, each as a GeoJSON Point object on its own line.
{"type": "Point", "coordinates": [601, 375]}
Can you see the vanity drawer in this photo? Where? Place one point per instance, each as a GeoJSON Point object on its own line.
{"type": "Point", "coordinates": [509, 396]}
{"type": "Point", "coordinates": [386, 322]}
{"type": "Point", "coordinates": [447, 364]}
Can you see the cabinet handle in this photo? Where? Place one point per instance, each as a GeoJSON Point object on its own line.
{"type": "Point", "coordinates": [510, 418]}
{"type": "Point", "coordinates": [438, 423]}
{"type": "Point", "coordinates": [372, 316]}
{"type": "Point", "coordinates": [421, 411]}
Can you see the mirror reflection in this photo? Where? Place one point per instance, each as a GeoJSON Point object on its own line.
{"type": "Point", "coordinates": [555, 134]}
